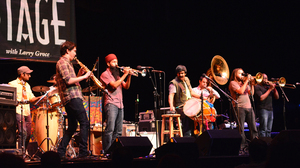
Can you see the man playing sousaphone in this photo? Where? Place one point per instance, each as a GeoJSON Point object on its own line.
{"type": "Point", "coordinates": [209, 96]}
{"type": "Point", "coordinates": [180, 91]}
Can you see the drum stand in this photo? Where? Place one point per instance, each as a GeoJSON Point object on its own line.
{"type": "Point", "coordinates": [47, 126]}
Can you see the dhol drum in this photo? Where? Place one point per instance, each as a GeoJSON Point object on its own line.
{"type": "Point", "coordinates": [40, 127]}
{"type": "Point", "coordinates": [192, 109]}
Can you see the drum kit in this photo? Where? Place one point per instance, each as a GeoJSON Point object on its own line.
{"type": "Point", "coordinates": [49, 120]}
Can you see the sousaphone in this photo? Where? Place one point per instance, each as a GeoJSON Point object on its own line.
{"type": "Point", "coordinates": [219, 70]}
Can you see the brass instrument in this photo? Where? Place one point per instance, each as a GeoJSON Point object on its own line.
{"type": "Point", "coordinates": [134, 72]}
{"type": "Point", "coordinates": [97, 82]}
{"type": "Point", "coordinates": [258, 77]}
{"type": "Point", "coordinates": [219, 70]}
{"type": "Point", "coordinates": [281, 82]}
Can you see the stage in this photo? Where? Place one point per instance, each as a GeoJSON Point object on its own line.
{"type": "Point", "coordinates": [203, 161]}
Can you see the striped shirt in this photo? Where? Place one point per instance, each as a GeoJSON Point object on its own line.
{"type": "Point", "coordinates": [65, 71]}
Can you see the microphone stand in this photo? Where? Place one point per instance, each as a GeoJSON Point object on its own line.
{"type": "Point", "coordinates": [284, 97]}
{"type": "Point", "coordinates": [155, 94]}
{"type": "Point", "coordinates": [136, 115]}
{"type": "Point", "coordinates": [230, 99]}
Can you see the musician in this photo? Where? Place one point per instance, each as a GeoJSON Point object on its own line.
{"type": "Point", "coordinates": [180, 90]}
{"type": "Point", "coordinates": [113, 105]}
{"type": "Point", "coordinates": [24, 97]}
{"type": "Point", "coordinates": [239, 89]}
{"type": "Point", "coordinates": [209, 94]}
{"type": "Point", "coordinates": [264, 92]}
{"type": "Point", "coordinates": [71, 97]}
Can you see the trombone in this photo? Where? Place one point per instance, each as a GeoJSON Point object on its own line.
{"type": "Point", "coordinates": [281, 82]}
{"type": "Point", "coordinates": [134, 72]}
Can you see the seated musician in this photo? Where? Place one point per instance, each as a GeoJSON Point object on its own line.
{"type": "Point", "coordinates": [180, 91]}
{"type": "Point", "coordinates": [209, 95]}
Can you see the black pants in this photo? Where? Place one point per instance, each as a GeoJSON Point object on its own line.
{"type": "Point", "coordinates": [75, 113]}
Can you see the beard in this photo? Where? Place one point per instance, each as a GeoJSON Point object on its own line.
{"type": "Point", "coordinates": [115, 72]}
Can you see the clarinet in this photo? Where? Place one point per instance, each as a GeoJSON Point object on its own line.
{"type": "Point", "coordinates": [97, 82]}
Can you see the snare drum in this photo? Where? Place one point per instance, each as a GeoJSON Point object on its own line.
{"type": "Point", "coordinates": [192, 109]}
{"type": "Point", "coordinates": [54, 100]}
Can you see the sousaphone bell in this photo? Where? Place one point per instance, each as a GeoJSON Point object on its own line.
{"type": "Point", "coordinates": [219, 70]}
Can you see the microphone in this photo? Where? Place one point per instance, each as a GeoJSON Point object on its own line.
{"type": "Point", "coordinates": [204, 75]}
{"type": "Point", "coordinates": [158, 71]}
{"type": "Point", "coordinates": [144, 67]}
{"type": "Point", "coordinates": [106, 92]}
{"type": "Point", "coordinates": [94, 68]}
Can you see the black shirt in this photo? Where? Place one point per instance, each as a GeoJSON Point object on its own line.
{"type": "Point", "coordinates": [265, 104]}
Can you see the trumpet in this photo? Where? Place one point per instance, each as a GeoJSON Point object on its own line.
{"type": "Point", "coordinates": [134, 72]}
{"type": "Point", "coordinates": [281, 82]}
{"type": "Point", "coordinates": [258, 77]}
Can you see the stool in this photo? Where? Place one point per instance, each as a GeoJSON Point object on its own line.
{"type": "Point", "coordinates": [171, 130]}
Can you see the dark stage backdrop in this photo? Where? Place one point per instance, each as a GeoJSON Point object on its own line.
{"type": "Point", "coordinates": [34, 30]}
{"type": "Point", "coordinates": [256, 36]}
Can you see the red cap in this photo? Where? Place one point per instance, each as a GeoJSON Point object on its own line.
{"type": "Point", "coordinates": [110, 57]}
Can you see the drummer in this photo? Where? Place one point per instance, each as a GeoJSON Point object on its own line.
{"type": "Point", "coordinates": [209, 94]}
{"type": "Point", "coordinates": [24, 97]}
{"type": "Point", "coordinates": [180, 90]}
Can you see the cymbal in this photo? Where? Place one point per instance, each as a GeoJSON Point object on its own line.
{"type": "Point", "coordinates": [51, 81]}
{"type": "Point", "coordinates": [40, 88]}
{"type": "Point", "coordinates": [92, 88]}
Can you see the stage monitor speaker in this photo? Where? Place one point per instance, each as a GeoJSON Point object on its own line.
{"type": "Point", "coordinates": [182, 140]}
{"type": "Point", "coordinates": [185, 147]}
{"type": "Point", "coordinates": [139, 146]}
{"type": "Point", "coordinates": [8, 127]}
{"type": "Point", "coordinates": [287, 136]}
{"type": "Point", "coordinates": [219, 142]}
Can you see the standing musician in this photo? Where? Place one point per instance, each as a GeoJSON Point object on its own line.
{"type": "Point", "coordinates": [239, 89]}
{"type": "Point", "coordinates": [113, 105]}
{"type": "Point", "coordinates": [264, 92]}
{"type": "Point", "coordinates": [209, 94]}
{"type": "Point", "coordinates": [70, 93]}
{"type": "Point", "coordinates": [180, 90]}
{"type": "Point", "coordinates": [24, 97]}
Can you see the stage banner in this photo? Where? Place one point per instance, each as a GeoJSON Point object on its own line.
{"type": "Point", "coordinates": [33, 30]}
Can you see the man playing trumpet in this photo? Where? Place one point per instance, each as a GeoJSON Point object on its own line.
{"type": "Point", "coordinates": [264, 92]}
{"type": "Point", "coordinates": [113, 106]}
{"type": "Point", "coordinates": [239, 89]}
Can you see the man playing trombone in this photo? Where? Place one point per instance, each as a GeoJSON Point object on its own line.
{"type": "Point", "coordinates": [264, 93]}
{"type": "Point", "coordinates": [113, 105]}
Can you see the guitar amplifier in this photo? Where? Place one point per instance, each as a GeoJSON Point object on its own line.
{"type": "Point", "coordinates": [8, 95]}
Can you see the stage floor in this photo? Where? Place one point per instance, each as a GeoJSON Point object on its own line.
{"type": "Point", "coordinates": [203, 161]}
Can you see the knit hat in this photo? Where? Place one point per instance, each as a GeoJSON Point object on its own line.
{"type": "Point", "coordinates": [110, 57]}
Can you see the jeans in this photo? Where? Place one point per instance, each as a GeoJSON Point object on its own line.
{"type": "Point", "coordinates": [266, 121]}
{"type": "Point", "coordinates": [247, 114]}
{"type": "Point", "coordinates": [114, 123]}
{"type": "Point", "coordinates": [26, 130]}
{"type": "Point", "coordinates": [75, 113]}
